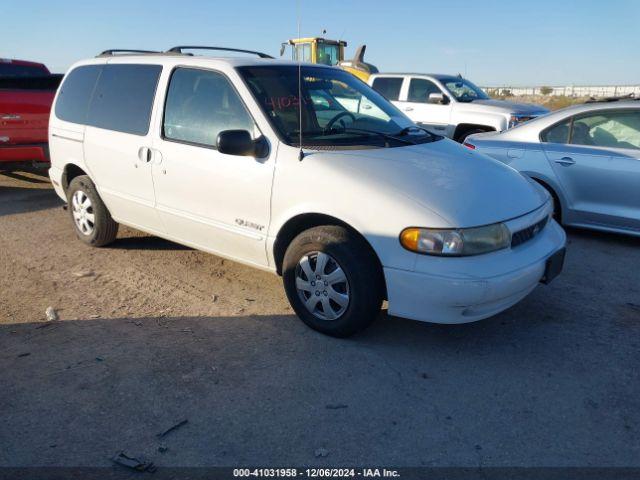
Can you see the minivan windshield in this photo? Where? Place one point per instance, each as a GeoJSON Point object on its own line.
{"type": "Point", "coordinates": [337, 109]}
{"type": "Point", "coordinates": [464, 90]}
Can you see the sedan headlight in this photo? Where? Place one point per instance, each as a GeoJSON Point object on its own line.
{"type": "Point", "coordinates": [456, 242]}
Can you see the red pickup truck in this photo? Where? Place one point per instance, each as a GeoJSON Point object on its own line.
{"type": "Point", "coordinates": [26, 94]}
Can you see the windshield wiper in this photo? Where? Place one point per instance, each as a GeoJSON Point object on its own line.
{"type": "Point", "coordinates": [380, 134]}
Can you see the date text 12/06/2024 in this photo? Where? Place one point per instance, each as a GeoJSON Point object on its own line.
{"type": "Point", "coordinates": [316, 473]}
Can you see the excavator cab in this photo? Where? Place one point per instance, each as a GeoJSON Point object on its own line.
{"type": "Point", "coordinates": [329, 52]}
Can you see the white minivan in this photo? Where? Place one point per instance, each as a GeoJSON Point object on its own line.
{"type": "Point", "coordinates": [304, 171]}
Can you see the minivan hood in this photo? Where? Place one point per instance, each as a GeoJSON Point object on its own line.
{"type": "Point", "coordinates": [504, 106]}
{"type": "Point", "coordinates": [463, 187]}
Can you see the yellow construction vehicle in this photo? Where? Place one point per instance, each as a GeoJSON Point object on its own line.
{"type": "Point", "coordinates": [329, 52]}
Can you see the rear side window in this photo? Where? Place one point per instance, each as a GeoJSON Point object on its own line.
{"type": "Point", "coordinates": [75, 93]}
{"type": "Point", "coordinates": [388, 87]}
{"type": "Point", "coordinates": [200, 104]}
{"type": "Point", "coordinates": [609, 129]}
{"type": "Point", "coordinates": [123, 98]}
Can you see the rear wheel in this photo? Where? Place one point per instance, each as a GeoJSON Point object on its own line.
{"type": "Point", "coordinates": [91, 219]}
{"type": "Point", "coordinates": [333, 280]}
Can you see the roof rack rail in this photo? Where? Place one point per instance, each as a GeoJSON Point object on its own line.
{"type": "Point", "coordinates": [180, 49]}
{"type": "Point", "coordinates": [631, 96]}
{"type": "Point", "coordinates": [114, 51]}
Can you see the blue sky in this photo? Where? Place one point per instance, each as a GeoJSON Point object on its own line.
{"type": "Point", "coordinates": [498, 42]}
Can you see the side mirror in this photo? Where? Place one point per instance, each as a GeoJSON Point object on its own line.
{"type": "Point", "coordinates": [438, 98]}
{"type": "Point", "coordinates": [237, 142]}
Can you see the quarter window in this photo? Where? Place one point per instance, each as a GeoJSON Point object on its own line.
{"type": "Point", "coordinates": [420, 89]}
{"type": "Point", "coordinates": [123, 98]}
{"type": "Point", "coordinates": [73, 99]}
{"type": "Point", "coordinates": [388, 87]}
{"type": "Point", "coordinates": [558, 133]}
{"type": "Point", "coordinates": [200, 104]}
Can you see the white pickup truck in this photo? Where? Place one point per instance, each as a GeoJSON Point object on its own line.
{"type": "Point", "coordinates": [451, 105]}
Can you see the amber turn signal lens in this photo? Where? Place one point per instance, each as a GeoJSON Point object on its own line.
{"type": "Point", "coordinates": [409, 238]}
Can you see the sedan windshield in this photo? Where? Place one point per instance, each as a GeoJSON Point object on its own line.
{"type": "Point", "coordinates": [463, 90]}
{"type": "Point", "coordinates": [336, 109]}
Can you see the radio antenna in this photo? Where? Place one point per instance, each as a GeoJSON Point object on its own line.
{"type": "Point", "coordinates": [298, 51]}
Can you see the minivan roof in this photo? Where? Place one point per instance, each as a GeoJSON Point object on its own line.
{"type": "Point", "coordinates": [167, 58]}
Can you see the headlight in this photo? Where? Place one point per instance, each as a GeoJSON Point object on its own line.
{"type": "Point", "coordinates": [456, 242]}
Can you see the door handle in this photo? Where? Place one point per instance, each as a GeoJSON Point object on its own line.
{"type": "Point", "coordinates": [565, 161]}
{"type": "Point", "coordinates": [144, 154]}
{"type": "Point", "coordinates": [408, 109]}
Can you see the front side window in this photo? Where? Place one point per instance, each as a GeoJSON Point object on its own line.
{"type": "Point", "coordinates": [463, 90]}
{"type": "Point", "coordinates": [613, 129]}
{"type": "Point", "coordinates": [200, 104]}
{"type": "Point", "coordinates": [123, 98]}
{"type": "Point", "coordinates": [335, 108]}
{"type": "Point", "coordinates": [420, 89]}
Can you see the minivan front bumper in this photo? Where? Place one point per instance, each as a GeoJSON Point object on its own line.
{"type": "Point", "coordinates": [467, 289]}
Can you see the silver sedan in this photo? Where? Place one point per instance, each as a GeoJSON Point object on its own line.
{"type": "Point", "coordinates": [587, 156]}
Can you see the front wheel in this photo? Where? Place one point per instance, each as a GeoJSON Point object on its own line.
{"type": "Point", "coordinates": [333, 280]}
{"type": "Point", "coordinates": [463, 136]}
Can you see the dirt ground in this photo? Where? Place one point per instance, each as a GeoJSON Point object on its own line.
{"type": "Point", "coordinates": [151, 333]}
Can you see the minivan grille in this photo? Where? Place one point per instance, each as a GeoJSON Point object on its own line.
{"type": "Point", "coordinates": [526, 234]}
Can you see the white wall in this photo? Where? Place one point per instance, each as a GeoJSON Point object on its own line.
{"type": "Point", "coordinates": [572, 90]}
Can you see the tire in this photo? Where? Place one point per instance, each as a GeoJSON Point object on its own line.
{"type": "Point", "coordinates": [335, 248]}
{"type": "Point", "coordinates": [463, 136]}
{"type": "Point", "coordinates": [557, 206]}
{"type": "Point", "coordinates": [91, 220]}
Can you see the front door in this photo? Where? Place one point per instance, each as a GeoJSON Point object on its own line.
{"type": "Point", "coordinates": [215, 202]}
{"type": "Point", "coordinates": [433, 116]}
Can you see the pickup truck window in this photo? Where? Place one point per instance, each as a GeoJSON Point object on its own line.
{"type": "Point", "coordinates": [123, 98]}
{"type": "Point", "coordinates": [75, 93]}
{"type": "Point", "coordinates": [200, 104]}
{"type": "Point", "coordinates": [420, 89]}
{"type": "Point", "coordinates": [388, 87]}
{"type": "Point", "coordinates": [17, 70]}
